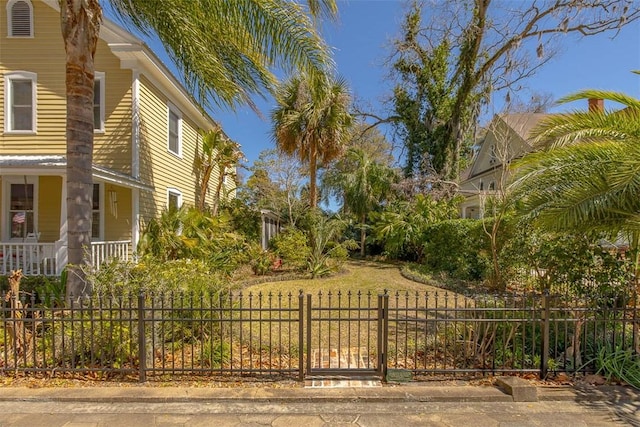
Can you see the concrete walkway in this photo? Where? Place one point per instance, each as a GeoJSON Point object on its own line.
{"type": "Point", "coordinates": [398, 406]}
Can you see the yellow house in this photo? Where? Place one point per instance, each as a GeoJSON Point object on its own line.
{"type": "Point", "coordinates": [506, 138]}
{"type": "Point", "coordinates": [147, 135]}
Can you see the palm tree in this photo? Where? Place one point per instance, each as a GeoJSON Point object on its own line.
{"type": "Point", "coordinates": [218, 151]}
{"type": "Point", "coordinates": [587, 177]}
{"type": "Point", "coordinates": [312, 121]}
{"type": "Point", "coordinates": [224, 50]}
{"type": "Point", "coordinates": [362, 184]}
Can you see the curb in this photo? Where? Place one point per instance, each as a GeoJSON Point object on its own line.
{"type": "Point", "coordinates": [408, 394]}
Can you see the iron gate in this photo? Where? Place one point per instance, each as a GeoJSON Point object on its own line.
{"type": "Point", "coordinates": [346, 334]}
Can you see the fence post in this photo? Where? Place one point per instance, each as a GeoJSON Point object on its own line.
{"type": "Point", "coordinates": [308, 334]}
{"type": "Point", "coordinates": [383, 333]}
{"type": "Point", "coordinates": [142, 350]}
{"type": "Point", "coordinates": [301, 335]}
{"type": "Point", "coordinates": [546, 318]}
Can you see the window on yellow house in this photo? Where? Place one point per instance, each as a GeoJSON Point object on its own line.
{"type": "Point", "coordinates": [20, 102]}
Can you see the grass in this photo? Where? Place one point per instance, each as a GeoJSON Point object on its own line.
{"type": "Point", "coordinates": [359, 276]}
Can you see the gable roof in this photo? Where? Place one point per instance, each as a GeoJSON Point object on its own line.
{"type": "Point", "coordinates": [517, 129]}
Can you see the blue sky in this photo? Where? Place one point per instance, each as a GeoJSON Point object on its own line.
{"type": "Point", "coordinates": [361, 40]}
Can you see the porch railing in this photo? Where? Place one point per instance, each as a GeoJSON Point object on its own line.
{"type": "Point", "coordinates": [33, 258]}
{"type": "Point", "coordinates": [44, 259]}
{"type": "Point", "coordinates": [102, 252]}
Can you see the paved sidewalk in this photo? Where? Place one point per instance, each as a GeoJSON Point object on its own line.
{"type": "Point", "coordinates": [399, 406]}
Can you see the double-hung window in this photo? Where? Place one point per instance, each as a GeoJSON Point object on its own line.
{"type": "Point", "coordinates": [174, 199]}
{"type": "Point", "coordinates": [20, 102]}
{"type": "Point", "coordinates": [19, 18]}
{"type": "Point", "coordinates": [174, 144]}
{"type": "Point", "coordinates": [98, 102]}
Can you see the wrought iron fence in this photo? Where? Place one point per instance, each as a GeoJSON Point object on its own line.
{"type": "Point", "coordinates": [156, 336]}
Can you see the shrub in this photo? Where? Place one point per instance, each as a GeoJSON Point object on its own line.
{"type": "Point", "coordinates": [458, 247]}
{"type": "Point", "coordinates": [291, 246]}
{"type": "Point", "coordinates": [186, 275]}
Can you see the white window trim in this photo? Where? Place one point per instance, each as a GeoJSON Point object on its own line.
{"type": "Point", "coordinates": [102, 210]}
{"type": "Point", "coordinates": [20, 75]}
{"type": "Point", "coordinates": [6, 199]}
{"type": "Point", "coordinates": [173, 109]}
{"type": "Point", "coordinates": [10, 23]}
{"type": "Point", "coordinates": [175, 192]}
{"type": "Point", "coordinates": [100, 77]}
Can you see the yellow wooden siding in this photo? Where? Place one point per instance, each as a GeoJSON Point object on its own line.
{"type": "Point", "coordinates": [44, 55]}
{"type": "Point", "coordinates": [49, 203]}
{"type": "Point", "coordinates": [112, 148]}
{"type": "Point", "coordinates": [117, 222]}
{"type": "Point", "coordinates": [158, 166]}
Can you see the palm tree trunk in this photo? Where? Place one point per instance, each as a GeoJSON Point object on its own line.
{"type": "Point", "coordinates": [206, 176]}
{"type": "Point", "coordinates": [313, 158]}
{"type": "Point", "coordinates": [218, 194]}
{"type": "Point", "coordinates": [80, 29]}
{"type": "Point", "coordinates": [363, 235]}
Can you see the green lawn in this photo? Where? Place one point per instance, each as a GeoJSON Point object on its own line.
{"type": "Point", "coordinates": [364, 276]}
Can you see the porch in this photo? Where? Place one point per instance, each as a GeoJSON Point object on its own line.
{"type": "Point", "coordinates": [49, 259]}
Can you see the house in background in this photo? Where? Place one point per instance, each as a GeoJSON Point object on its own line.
{"type": "Point", "coordinates": [147, 135]}
{"type": "Point", "coordinates": [506, 139]}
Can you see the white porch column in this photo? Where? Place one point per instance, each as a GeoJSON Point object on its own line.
{"type": "Point", "coordinates": [62, 243]}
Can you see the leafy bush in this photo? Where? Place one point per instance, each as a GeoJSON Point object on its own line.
{"type": "Point", "coordinates": [327, 252]}
{"type": "Point", "coordinates": [458, 247]}
{"type": "Point", "coordinates": [186, 275]}
{"type": "Point", "coordinates": [569, 263]}
{"type": "Point", "coordinates": [291, 246]}
{"type": "Point", "coordinates": [260, 260]}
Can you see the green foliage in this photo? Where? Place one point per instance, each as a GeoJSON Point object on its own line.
{"type": "Point", "coordinates": [244, 220]}
{"type": "Point", "coordinates": [188, 233]}
{"type": "Point", "coordinates": [292, 247]}
{"type": "Point", "coordinates": [458, 247]}
{"type": "Point", "coordinates": [327, 252]}
{"type": "Point", "coordinates": [112, 343]}
{"type": "Point", "coordinates": [565, 262]}
{"type": "Point", "coordinates": [214, 354]}
{"type": "Point", "coordinates": [620, 364]}
{"type": "Point", "coordinates": [185, 275]}
{"type": "Point", "coordinates": [312, 121]}
{"type": "Point", "coordinates": [260, 260]}
{"type": "Point", "coordinates": [401, 228]}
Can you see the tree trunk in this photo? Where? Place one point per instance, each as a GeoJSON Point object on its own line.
{"type": "Point", "coordinates": [206, 176]}
{"type": "Point", "coordinates": [313, 155]}
{"type": "Point", "coordinates": [80, 29]}
{"type": "Point", "coordinates": [218, 193]}
{"type": "Point", "coordinates": [363, 235]}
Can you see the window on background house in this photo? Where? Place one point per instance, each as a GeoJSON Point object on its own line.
{"type": "Point", "coordinates": [174, 199]}
{"type": "Point", "coordinates": [98, 102]}
{"type": "Point", "coordinates": [19, 18]}
{"type": "Point", "coordinates": [96, 224]}
{"type": "Point", "coordinates": [20, 102]}
{"type": "Point", "coordinates": [175, 129]}
{"type": "Point", "coordinates": [492, 186]}
{"type": "Point", "coordinates": [21, 210]}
